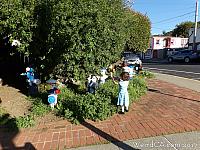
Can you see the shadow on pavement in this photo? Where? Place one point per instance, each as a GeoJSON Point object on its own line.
{"type": "Point", "coordinates": [157, 91]}
{"type": "Point", "coordinates": [9, 132]}
{"type": "Point", "coordinates": [109, 138]}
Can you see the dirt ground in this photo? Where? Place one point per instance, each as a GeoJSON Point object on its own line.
{"type": "Point", "coordinates": [14, 102]}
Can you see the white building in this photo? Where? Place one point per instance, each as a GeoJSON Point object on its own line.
{"type": "Point", "coordinates": [161, 42]}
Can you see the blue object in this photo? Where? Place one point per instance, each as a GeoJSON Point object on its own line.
{"type": "Point", "coordinates": [51, 99]}
{"type": "Point", "coordinates": [30, 75]}
{"type": "Point", "coordinates": [123, 97]}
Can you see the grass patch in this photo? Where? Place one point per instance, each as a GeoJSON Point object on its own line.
{"type": "Point", "coordinates": [78, 106]}
{"type": "Point", "coordinates": [38, 109]}
{"type": "Point", "coordinates": [147, 74]}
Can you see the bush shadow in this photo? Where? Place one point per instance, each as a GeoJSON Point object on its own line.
{"type": "Point", "coordinates": [108, 137]}
{"type": "Point", "coordinates": [185, 98]}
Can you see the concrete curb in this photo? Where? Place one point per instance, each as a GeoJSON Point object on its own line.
{"type": "Point", "coordinates": [180, 81]}
{"type": "Point", "coordinates": [180, 141]}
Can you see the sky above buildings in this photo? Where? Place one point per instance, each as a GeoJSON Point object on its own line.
{"type": "Point", "coordinates": [166, 14]}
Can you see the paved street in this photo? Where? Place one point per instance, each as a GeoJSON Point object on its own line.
{"type": "Point", "coordinates": [191, 70]}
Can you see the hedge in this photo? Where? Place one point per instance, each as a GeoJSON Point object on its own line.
{"type": "Point", "coordinates": [77, 107]}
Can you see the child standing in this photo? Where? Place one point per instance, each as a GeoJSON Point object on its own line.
{"type": "Point", "coordinates": [123, 97]}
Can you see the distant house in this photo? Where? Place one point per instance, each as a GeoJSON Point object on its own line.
{"type": "Point", "coordinates": [160, 44]}
{"type": "Point", "coordinates": [191, 37]}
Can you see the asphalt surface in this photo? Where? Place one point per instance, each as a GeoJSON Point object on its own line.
{"type": "Point", "coordinates": [190, 70]}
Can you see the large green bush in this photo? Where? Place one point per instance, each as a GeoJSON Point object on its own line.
{"type": "Point", "coordinates": [78, 107]}
{"type": "Point", "coordinates": [73, 38]}
{"type": "Point", "coordinates": [85, 36]}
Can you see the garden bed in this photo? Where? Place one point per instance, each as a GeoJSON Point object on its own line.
{"type": "Point", "coordinates": [74, 104]}
{"type": "Point", "coordinates": [13, 101]}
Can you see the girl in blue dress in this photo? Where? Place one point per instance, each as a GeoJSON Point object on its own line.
{"type": "Point", "coordinates": [123, 97]}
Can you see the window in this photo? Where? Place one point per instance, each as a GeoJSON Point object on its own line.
{"type": "Point", "coordinates": [157, 41]}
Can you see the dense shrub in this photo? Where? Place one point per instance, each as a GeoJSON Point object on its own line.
{"type": "Point", "coordinates": [78, 107]}
{"type": "Point", "coordinates": [137, 88]}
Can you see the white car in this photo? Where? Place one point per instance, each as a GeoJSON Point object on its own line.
{"type": "Point", "coordinates": [134, 61]}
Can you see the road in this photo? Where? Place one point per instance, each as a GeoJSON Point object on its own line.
{"type": "Point", "coordinates": [191, 70]}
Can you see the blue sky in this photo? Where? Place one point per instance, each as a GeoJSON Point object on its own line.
{"type": "Point", "coordinates": [165, 15]}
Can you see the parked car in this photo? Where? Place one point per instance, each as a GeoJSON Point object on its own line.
{"type": "Point", "coordinates": [134, 61]}
{"type": "Point", "coordinates": [171, 51]}
{"type": "Point", "coordinates": [184, 55]}
{"type": "Point", "coordinates": [131, 58]}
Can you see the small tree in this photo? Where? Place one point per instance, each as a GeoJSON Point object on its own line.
{"type": "Point", "coordinates": [182, 29]}
{"type": "Point", "coordinates": [139, 31]}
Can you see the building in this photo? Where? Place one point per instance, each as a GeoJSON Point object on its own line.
{"type": "Point", "coordinates": [160, 44]}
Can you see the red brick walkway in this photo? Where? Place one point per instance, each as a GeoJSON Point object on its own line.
{"type": "Point", "coordinates": [165, 109]}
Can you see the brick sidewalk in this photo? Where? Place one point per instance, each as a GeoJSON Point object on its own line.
{"type": "Point", "coordinates": [165, 109]}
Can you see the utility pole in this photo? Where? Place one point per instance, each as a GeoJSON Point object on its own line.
{"type": "Point", "coordinates": [195, 28]}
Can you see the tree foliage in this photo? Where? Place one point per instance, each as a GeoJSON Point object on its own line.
{"type": "Point", "coordinates": [89, 36]}
{"type": "Point", "coordinates": [139, 27]}
{"type": "Point", "coordinates": [73, 38]}
{"type": "Point", "coordinates": [16, 20]}
{"type": "Point", "coordinates": [181, 30]}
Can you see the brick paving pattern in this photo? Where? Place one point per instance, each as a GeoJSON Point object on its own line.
{"type": "Point", "coordinates": [165, 109]}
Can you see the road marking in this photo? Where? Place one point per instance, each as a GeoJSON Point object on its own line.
{"type": "Point", "coordinates": [196, 73]}
{"type": "Point", "coordinates": [164, 73]}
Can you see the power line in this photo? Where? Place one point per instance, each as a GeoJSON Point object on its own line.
{"type": "Point", "coordinates": [183, 19]}
{"type": "Point", "coordinates": [168, 22]}
{"type": "Point", "coordinates": [161, 29]}
{"type": "Point", "coordinates": [173, 17]}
